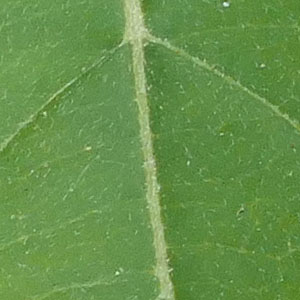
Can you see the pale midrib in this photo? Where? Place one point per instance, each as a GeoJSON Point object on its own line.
{"type": "Point", "coordinates": [135, 34]}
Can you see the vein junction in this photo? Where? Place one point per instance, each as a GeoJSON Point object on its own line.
{"type": "Point", "coordinates": [135, 34]}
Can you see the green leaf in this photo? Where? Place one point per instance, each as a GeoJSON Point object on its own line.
{"type": "Point", "coordinates": [149, 155]}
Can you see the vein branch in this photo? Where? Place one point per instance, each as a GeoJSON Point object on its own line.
{"type": "Point", "coordinates": [32, 118]}
{"type": "Point", "coordinates": [72, 287]}
{"type": "Point", "coordinates": [136, 34]}
{"type": "Point", "coordinates": [204, 65]}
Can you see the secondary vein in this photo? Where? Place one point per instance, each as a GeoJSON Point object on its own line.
{"type": "Point", "coordinates": [135, 34]}
{"type": "Point", "coordinates": [204, 65]}
{"type": "Point", "coordinates": [33, 117]}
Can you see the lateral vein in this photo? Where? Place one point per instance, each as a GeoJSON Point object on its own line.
{"type": "Point", "coordinates": [33, 117]}
{"type": "Point", "coordinates": [204, 65]}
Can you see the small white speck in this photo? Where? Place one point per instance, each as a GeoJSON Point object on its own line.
{"type": "Point", "coordinates": [119, 271]}
{"type": "Point", "coordinates": [44, 113]}
{"type": "Point", "coordinates": [240, 211]}
{"type": "Point", "coordinates": [21, 265]}
{"type": "Point", "coordinates": [188, 163]}
{"type": "Point", "coordinates": [87, 148]}
{"type": "Point", "coordinates": [222, 134]}
{"type": "Point", "coordinates": [226, 4]}
{"type": "Point", "coordinates": [262, 66]}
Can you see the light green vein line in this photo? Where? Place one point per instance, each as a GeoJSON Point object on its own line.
{"type": "Point", "coordinates": [135, 33]}
{"type": "Point", "coordinates": [204, 65]}
{"type": "Point", "coordinates": [32, 118]}
{"type": "Point", "coordinates": [48, 232]}
{"type": "Point", "coordinates": [74, 286]}
{"type": "Point", "coordinates": [245, 27]}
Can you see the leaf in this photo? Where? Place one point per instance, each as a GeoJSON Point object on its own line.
{"type": "Point", "coordinates": [149, 155]}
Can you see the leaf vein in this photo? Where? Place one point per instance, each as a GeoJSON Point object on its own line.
{"type": "Point", "coordinates": [74, 286]}
{"type": "Point", "coordinates": [135, 34]}
{"type": "Point", "coordinates": [245, 27]}
{"type": "Point", "coordinates": [53, 98]}
{"type": "Point", "coordinates": [227, 78]}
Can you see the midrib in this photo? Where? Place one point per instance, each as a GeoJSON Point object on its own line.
{"type": "Point", "coordinates": [136, 34]}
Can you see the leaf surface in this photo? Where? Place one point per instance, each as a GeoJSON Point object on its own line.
{"type": "Point", "coordinates": [149, 156]}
